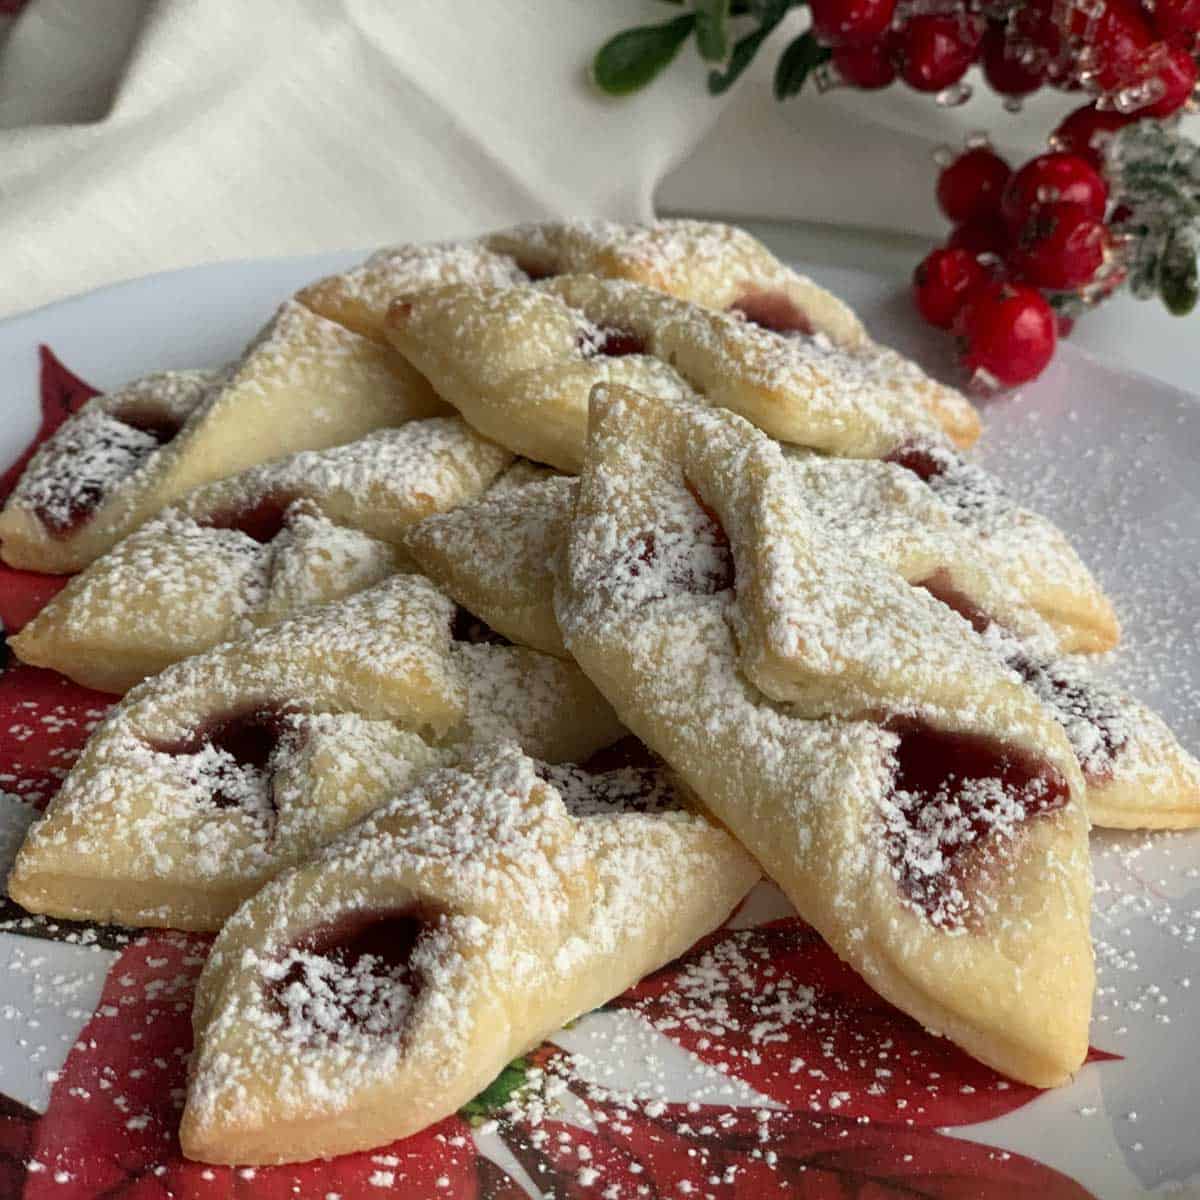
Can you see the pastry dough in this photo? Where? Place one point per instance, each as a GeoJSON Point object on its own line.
{"type": "Point", "coordinates": [183, 801]}
{"type": "Point", "coordinates": [496, 557]}
{"type": "Point", "coordinates": [359, 299]}
{"type": "Point", "coordinates": [723, 267]}
{"type": "Point", "coordinates": [304, 384]}
{"type": "Point", "coordinates": [1031, 552]}
{"type": "Point", "coordinates": [247, 551]}
{"type": "Point", "coordinates": [915, 802]}
{"type": "Point", "coordinates": [367, 994]}
{"type": "Point", "coordinates": [955, 540]}
{"type": "Point", "coordinates": [518, 363]}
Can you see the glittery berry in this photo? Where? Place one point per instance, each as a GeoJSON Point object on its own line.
{"type": "Point", "coordinates": [1178, 21]}
{"type": "Point", "coordinates": [1008, 331]}
{"type": "Point", "coordinates": [936, 49]}
{"type": "Point", "coordinates": [851, 22]}
{"type": "Point", "coordinates": [1087, 131]}
{"type": "Point", "coordinates": [971, 186]}
{"type": "Point", "coordinates": [866, 67]}
{"type": "Point", "coordinates": [1060, 246]}
{"type": "Point", "coordinates": [1005, 66]}
{"type": "Point", "coordinates": [1052, 179]}
{"type": "Point", "coordinates": [1174, 74]}
{"type": "Point", "coordinates": [984, 235]}
{"type": "Point", "coordinates": [942, 283]}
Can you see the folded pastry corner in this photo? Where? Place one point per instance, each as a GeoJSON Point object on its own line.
{"type": "Point", "coordinates": [724, 268]}
{"type": "Point", "coordinates": [304, 383]}
{"type": "Point", "coordinates": [252, 549]}
{"type": "Point", "coordinates": [366, 994]}
{"type": "Point", "coordinates": [208, 779]}
{"type": "Point", "coordinates": [909, 794]}
{"type": "Point", "coordinates": [519, 363]}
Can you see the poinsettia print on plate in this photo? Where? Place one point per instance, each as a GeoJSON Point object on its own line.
{"type": "Point", "coordinates": [756, 1065]}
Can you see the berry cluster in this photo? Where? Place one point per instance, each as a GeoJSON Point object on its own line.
{"type": "Point", "coordinates": [1024, 244]}
{"type": "Point", "coordinates": [1110, 206]}
{"type": "Point", "coordinates": [1136, 60]}
{"type": "Point", "coordinates": [1027, 245]}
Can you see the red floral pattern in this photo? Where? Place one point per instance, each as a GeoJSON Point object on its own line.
{"type": "Point", "coordinates": [863, 1089]}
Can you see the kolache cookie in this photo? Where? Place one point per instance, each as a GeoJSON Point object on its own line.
{"type": "Point", "coordinates": [377, 988]}
{"type": "Point", "coordinates": [247, 551]}
{"type": "Point", "coordinates": [304, 384]}
{"type": "Point", "coordinates": [914, 800]}
{"type": "Point", "coordinates": [209, 778]}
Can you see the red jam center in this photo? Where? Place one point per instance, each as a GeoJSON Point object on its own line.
{"type": "Point", "coordinates": [624, 777]}
{"type": "Point", "coordinates": [536, 270]}
{"type": "Point", "coordinates": [161, 426]}
{"type": "Point", "coordinates": [918, 459]}
{"type": "Point", "coordinates": [1093, 718]}
{"type": "Point", "coordinates": [353, 973]}
{"type": "Point", "coordinates": [250, 739]}
{"type": "Point", "coordinates": [465, 626]}
{"type": "Point", "coordinates": [775, 311]}
{"type": "Point", "coordinates": [940, 586]}
{"type": "Point", "coordinates": [263, 520]}
{"type": "Point", "coordinates": [957, 795]}
{"type": "Point", "coordinates": [610, 342]}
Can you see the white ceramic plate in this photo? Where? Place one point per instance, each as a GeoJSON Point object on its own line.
{"type": "Point", "coordinates": [1113, 457]}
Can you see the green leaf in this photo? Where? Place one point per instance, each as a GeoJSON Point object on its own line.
{"type": "Point", "coordinates": [801, 56]}
{"type": "Point", "coordinates": [1178, 276]}
{"type": "Point", "coordinates": [712, 29]}
{"type": "Point", "coordinates": [630, 60]}
{"type": "Point", "coordinates": [744, 51]}
{"type": "Point", "coordinates": [497, 1093]}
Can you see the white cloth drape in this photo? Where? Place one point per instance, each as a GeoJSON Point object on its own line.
{"type": "Point", "coordinates": [138, 135]}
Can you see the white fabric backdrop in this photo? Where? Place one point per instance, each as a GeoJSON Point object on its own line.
{"type": "Point", "coordinates": [138, 135]}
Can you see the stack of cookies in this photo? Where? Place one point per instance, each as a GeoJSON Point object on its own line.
{"type": "Point", "coordinates": [504, 614]}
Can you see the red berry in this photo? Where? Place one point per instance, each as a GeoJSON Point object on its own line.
{"type": "Point", "coordinates": [1063, 325]}
{"type": "Point", "coordinates": [1087, 131]}
{"type": "Point", "coordinates": [971, 185]}
{"type": "Point", "coordinates": [851, 22]}
{"type": "Point", "coordinates": [1008, 331]}
{"type": "Point", "coordinates": [1004, 65]}
{"type": "Point", "coordinates": [1035, 28]}
{"type": "Point", "coordinates": [867, 67]}
{"type": "Point", "coordinates": [942, 282]}
{"type": "Point", "coordinates": [1051, 179]}
{"type": "Point", "coordinates": [984, 235]}
{"type": "Point", "coordinates": [1060, 246]}
{"type": "Point", "coordinates": [1174, 70]}
{"type": "Point", "coordinates": [1116, 42]}
{"type": "Point", "coordinates": [1177, 20]}
{"type": "Point", "coordinates": [936, 50]}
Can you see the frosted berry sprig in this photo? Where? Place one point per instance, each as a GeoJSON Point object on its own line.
{"type": "Point", "coordinates": [1115, 202]}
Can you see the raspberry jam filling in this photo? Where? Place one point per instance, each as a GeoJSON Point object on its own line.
{"type": "Point", "coordinates": [955, 797]}
{"type": "Point", "coordinates": [607, 341]}
{"type": "Point", "coordinates": [941, 587]}
{"type": "Point", "coordinates": [102, 453]}
{"type": "Point", "coordinates": [1093, 718]}
{"type": "Point", "coordinates": [919, 459]}
{"type": "Point", "coordinates": [354, 974]}
{"type": "Point", "coordinates": [536, 270]}
{"type": "Point", "coordinates": [624, 777]}
{"type": "Point", "coordinates": [263, 520]}
{"type": "Point", "coordinates": [465, 626]}
{"type": "Point", "coordinates": [161, 426]}
{"type": "Point", "coordinates": [697, 560]}
{"type": "Point", "coordinates": [245, 745]}
{"type": "Point", "coordinates": [775, 311]}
